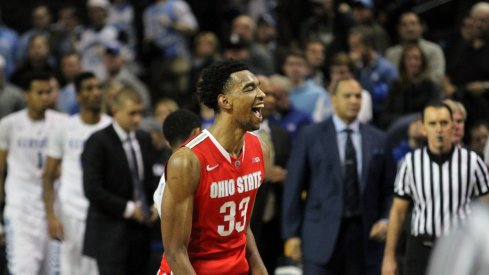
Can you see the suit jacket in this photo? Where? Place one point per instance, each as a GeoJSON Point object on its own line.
{"type": "Point", "coordinates": [315, 166]}
{"type": "Point", "coordinates": [108, 186]}
{"type": "Point", "coordinates": [281, 145]}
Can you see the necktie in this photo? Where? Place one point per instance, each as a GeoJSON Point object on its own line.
{"type": "Point", "coordinates": [139, 194]}
{"type": "Point", "coordinates": [351, 193]}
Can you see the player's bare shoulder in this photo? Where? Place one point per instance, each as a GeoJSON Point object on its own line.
{"type": "Point", "coordinates": [183, 168]}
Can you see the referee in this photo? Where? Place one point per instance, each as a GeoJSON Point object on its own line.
{"type": "Point", "coordinates": [440, 179]}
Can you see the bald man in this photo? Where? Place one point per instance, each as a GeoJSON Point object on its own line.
{"type": "Point", "coordinates": [340, 227]}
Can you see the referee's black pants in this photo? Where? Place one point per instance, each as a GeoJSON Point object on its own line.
{"type": "Point", "coordinates": [418, 251]}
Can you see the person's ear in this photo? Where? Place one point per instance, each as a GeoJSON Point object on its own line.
{"type": "Point", "coordinates": [195, 131]}
{"type": "Point", "coordinates": [224, 102]}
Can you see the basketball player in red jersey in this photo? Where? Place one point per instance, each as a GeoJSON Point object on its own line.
{"type": "Point", "coordinates": [213, 179]}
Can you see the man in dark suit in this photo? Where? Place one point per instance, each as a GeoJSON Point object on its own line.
{"type": "Point", "coordinates": [340, 226]}
{"type": "Point", "coordinates": [266, 218]}
{"type": "Point", "coordinates": [117, 182]}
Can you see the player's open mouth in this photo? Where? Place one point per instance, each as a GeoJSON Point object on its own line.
{"type": "Point", "coordinates": [257, 111]}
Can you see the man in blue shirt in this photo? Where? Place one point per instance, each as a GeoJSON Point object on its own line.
{"type": "Point", "coordinates": [305, 95]}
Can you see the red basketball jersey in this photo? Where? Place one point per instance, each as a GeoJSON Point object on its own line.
{"type": "Point", "coordinates": [223, 204]}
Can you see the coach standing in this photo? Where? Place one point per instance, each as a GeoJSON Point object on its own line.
{"type": "Point", "coordinates": [440, 179]}
{"type": "Point", "coordinates": [340, 162]}
{"type": "Point", "coordinates": [118, 188]}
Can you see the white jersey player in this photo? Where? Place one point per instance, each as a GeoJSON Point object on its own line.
{"type": "Point", "coordinates": [65, 147]}
{"type": "Point", "coordinates": [23, 143]}
{"type": "Point", "coordinates": [178, 127]}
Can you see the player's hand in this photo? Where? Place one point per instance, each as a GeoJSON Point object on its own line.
{"type": "Point", "coordinates": [153, 215]}
{"type": "Point", "coordinates": [55, 228]}
{"type": "Point", "coordinates": [138, 215]}
{"type": "Point", "coordinates": [276, 174]}
{"type": "Point", "coordinates": [293, 249]}
{"type": "Point", "coordinates": [379, 231]}
{"type": "Point", "coordinates": [389, 266]}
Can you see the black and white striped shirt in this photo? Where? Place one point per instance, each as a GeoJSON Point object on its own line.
{"type": "Point", "coordinates": [441, 192]}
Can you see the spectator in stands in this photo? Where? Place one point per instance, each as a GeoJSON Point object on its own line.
{"type": "Point", "coordinates": [240, 49]}
{"type": "Point", "coordinates": [413, 89]}
{"type": "Point", "coordinates": [410, 31]}
{"type": "Point", "coordinates": [315, 52]}
{"type": "Point", "coordinates": [470, 70]}
{"type": "Point", "coordinates": [266, 34]}
{"type": "Point", "coordinates": [41, 25]}
{"type": "Point", "coordinates": [66, 31]}
{"type": "Point", "coordinates": [305, 95]}
{"type": "Point", "coordinates": [464, 33]}
{"type": "Point", "coordinates": [244, 27]}
{"type": "Point", "coordinates": [11, 97]}
{"type": "Point", "coordinates": [286, 115]}
{"type": "Point", "coordinates": [9, 41]}
{"type": "Point", "coordinates": [117, 70]}
{"type": "Point", "coordinates": [478, 134]}
{"type": "Point", "coordinates": [374, 72]}
{"type": "Point", "coordinates": [363, 12]}
{"type": "Point", "coordinates": [95, 37]}
{"type": "Point", "coordinates": [415, 139]}
{"type": "Point", "coordinates": [205, 52]}
{"type": "Point", "coordinates": [37, 59]}
{"type": "Point", "coordinates": [163, 108]}
{"type": "Point", "coordinates": [167, 26]}
{"type": "Point", "coordinates": [342, 67]}
{"type": "Point", "coordinates": [121, 16]}
{"type": "Point", "coordinates": [459, 116]}
{"type": "Point", "coordinates": [70, 67]}
{"type": "Point", "coordinates": [320, 26]}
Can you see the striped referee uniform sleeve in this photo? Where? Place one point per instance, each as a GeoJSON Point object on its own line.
{"type": "Point", "coordinates": [404, 179]}
{"type": "Point", "coordinates": [482, 178]}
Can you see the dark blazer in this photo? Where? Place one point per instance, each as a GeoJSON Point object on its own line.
{"type": "Point", "coordinates": [281, 145]}
{"type": "Point", "coordinates": [315, 166]}
{"type": "Point", "coordinates": [108, 186]}
{"type": "Point", "coordinates": [269, 243]}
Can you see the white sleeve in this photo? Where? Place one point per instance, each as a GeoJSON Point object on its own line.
{"type": "Point", "coordinates": [56, 141]}
{"type": "Point", "coordinates": [185, 15]}
{"type": "Point", "coordinates": [158, 195]}
{"type": "Point", "coordinates": [365, 113]}
{"type": "Point", "coordinates": [5, 131]}
{"type": "Point", "coordinates": [404, 180]}
{"type": "Point", "coordinates": [323, 108]}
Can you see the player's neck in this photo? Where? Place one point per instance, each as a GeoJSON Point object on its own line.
{"type": "Point", "coordinates": [35, 115]}
{"type": "Point", "coordinates": [89, 116]}
{"type": "Point", "coordinates": [230, 137]}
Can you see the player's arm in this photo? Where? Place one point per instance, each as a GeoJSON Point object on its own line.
{"type": "Point", "coordinates": [396, 220]}
{"type": "Point", "coordinates": [3, 167]}
{"type": "Point", "coordinates": [49, 176]}
{"type": "Point", "coordinates": [252, 255]}
{"type": "Point", "coordinates": [183, 176]}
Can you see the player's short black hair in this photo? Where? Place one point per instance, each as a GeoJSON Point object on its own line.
{"type": "Point", "coordinates": [80, 78]}
{"type": "Point", "coordinates": [437, 105]}
{"type": "Point", "coordinates": [179, 125]}
{"type": "Point", "coordinates": [214, 80]}
{"type": "Point", "coordinates": [33, 76]}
